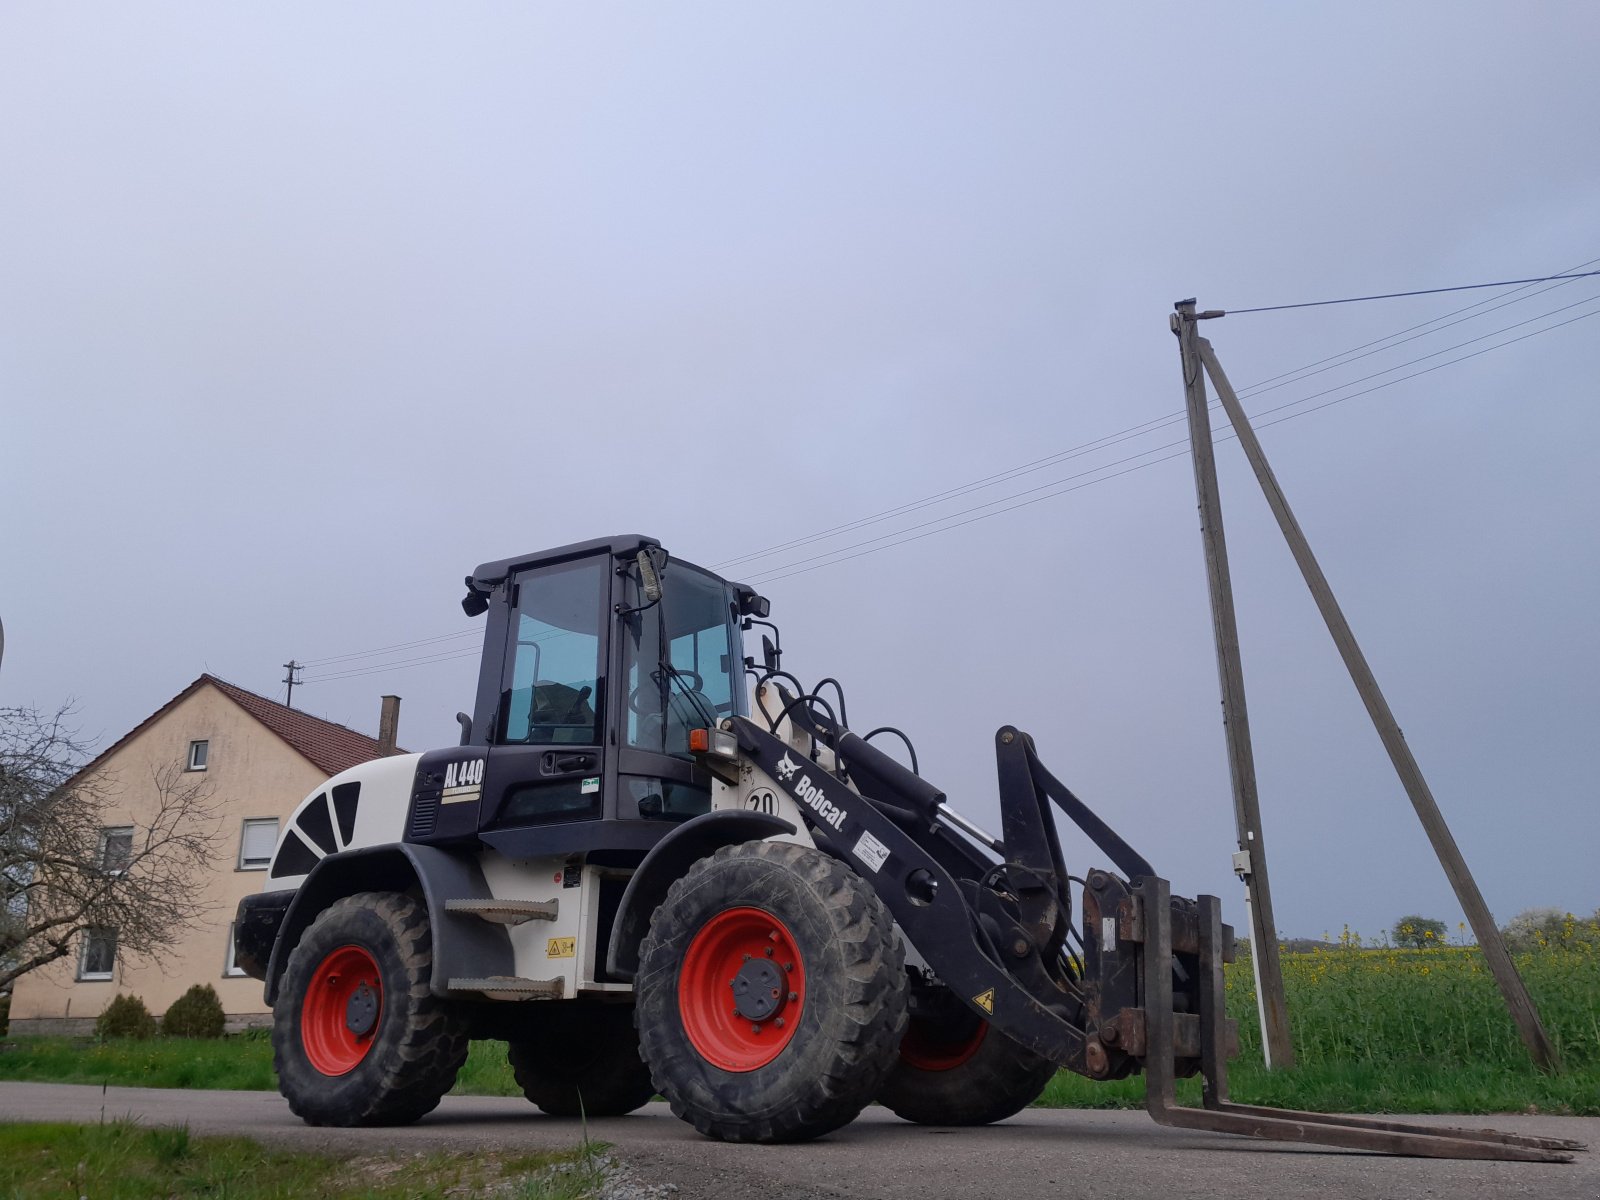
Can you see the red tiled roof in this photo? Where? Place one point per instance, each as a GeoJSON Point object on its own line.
{"type": "Point", "coordinates": [333, 748]}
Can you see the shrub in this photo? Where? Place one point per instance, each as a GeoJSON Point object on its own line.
{"type": "Point", "coordinates": [125, 1017]}
{"type": "Point", "coordinates": [5, 1014]}
{"type": "Point", "coordinates": [195, 1014]}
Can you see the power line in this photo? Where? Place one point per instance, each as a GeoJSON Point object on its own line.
{"type": "Point", "coordinates": [782, 572]}
{"type": "Point", "coordinates": [1257, 389]}
{"type": "Point", "coordinates": [1465, 287]}
{"type": "Point", "coordinates": [1053, 488]}
{"type": "Point", "coordinates": [766, 575]}
{"type": "Point", "coordinates": [380, 668]}
{"type": "Point", "coordinates": [317, 662]}
{"type": "Point", "coordinates": [1399, 339]}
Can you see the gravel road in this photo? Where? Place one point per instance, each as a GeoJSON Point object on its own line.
{"type": "Point", "coordinates": [1041, 1153]}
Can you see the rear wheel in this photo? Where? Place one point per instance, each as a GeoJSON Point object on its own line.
{"type": "Point", "coordinates": [771, 994]}
{"type": "Point", "coordinates": [580, 1059]}
{"type": "Point", "coordinates": [357, 1037]}
{"type": "Point", "coordinates": [954, 1068]}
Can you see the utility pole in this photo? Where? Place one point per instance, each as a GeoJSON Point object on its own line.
{"type": "Point", "coordinates": [291, 666]}
{"type": "Point", "coordinates": [1520, 1004]}
{"type": "Point", "coordinates": [1250, 863]}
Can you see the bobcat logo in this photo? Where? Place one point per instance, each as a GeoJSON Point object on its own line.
{"type": "Point", "coordinates": [786, 768]}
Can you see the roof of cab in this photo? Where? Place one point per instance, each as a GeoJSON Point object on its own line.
{"type": "Point", "coordinates": [490, 573]}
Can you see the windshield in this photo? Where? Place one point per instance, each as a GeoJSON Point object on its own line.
{"type": "Point", "coordinates": [700, 681]}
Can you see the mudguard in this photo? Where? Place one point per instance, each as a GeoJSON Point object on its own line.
{"type": "Point", "coordinates": [463, 945]}
{"type": "Point", "coordinates": [670, 859]}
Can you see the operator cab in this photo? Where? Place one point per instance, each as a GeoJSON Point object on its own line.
{"type": "Point", "coordinates": [598, 660]}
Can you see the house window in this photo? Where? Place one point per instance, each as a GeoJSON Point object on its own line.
{"type": "Point", "coordinates": [99, 957]}
{"type": "Point", "coordinates": [199, 752]}
{"type": "Point", "coordinates": [229, 967]}
{"type": "Point", "coordinates": [116, 849]}
{"type": "Point", "coordinates": [257, 842]}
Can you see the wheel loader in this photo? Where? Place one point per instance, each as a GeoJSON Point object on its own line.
{"type": "Point", "coordinates": [654, 865]}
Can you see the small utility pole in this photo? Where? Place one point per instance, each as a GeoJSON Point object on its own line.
{"type": "Point", "coordinates": [291, 666]}
{"type": "Point", "coordinates": [1251, 861]}
{"type": "Point", "coordinates": [1471, 899]}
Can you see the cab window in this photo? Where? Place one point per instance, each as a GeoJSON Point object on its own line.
{"type": "Point", "coordinates": [552, 673]}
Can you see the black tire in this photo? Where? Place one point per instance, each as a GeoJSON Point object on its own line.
{"type": "Point", "coordinates": [416, 1044]}
{"type": "Point", "coordinates": [839, 1045]}
{"type": "Point", "coordinates": [581, 1060]}
{"type": "Point", "coordinates": [954, 1068]}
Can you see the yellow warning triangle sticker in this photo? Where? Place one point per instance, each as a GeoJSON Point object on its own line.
{"type": "Point", "coordinates": [985, 1001]}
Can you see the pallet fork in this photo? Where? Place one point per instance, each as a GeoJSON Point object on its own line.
{"type": "Point", "coordinates": [1144, 991]}
{"type": "Point", "coordinates": [1220, 1115]}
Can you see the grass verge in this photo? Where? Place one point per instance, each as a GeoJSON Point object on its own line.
{"type": "Point", "coordinates": [1403, 1086]}
{"type": "Point", "coordinates": [1376, 1030]}
{"type": "Point", "coordinates": [122, 1160]}
{"type": "Point", "coordinates": [240, 1063]}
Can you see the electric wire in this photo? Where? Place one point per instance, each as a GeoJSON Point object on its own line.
{"type": "Point", "coordinates": [1465, 287]}
{"type": "Point", "coordinates": [1053, 488]}
{"type": "Point", "coordinates": [1272, 383]}
{"type": "Point", "coordinates": [317, 662]}
{"type": "Point", "coordinates": [1423, 325]}
{"type": "Point", "coordinates": [775, 575]}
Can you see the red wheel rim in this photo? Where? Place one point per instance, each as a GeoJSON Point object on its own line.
{"type": "Point", "coordinates": [928, 1047]}
{"type": "Point", "coordinates": [741, 989]}
{"type": "Point", "coordinates": [342, 1010]}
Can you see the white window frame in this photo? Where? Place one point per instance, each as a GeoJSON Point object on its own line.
{"type": "Point", "coordinates": [106, 835]}
{"type": "Point", "coordinates": [244, 832]}
{"type": "Point", "coordinates": [84, 973]}
{"type": "Point", "coordinates": [231, 969]}
{"type": "Point", "coordinates": [199, 749]}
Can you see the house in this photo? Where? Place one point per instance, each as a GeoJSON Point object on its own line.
{"type": "Point", "coordinates": [259, 759]}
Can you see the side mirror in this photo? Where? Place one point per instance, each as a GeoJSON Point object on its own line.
{"type": "Point", "coordinates": [649, 578]}
{"type": "Point", "coordinates": [752, 605]}
{"type": "Point", "coordinates": [475, 603]}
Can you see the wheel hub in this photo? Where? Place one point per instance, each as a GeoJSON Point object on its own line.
{"type": "Point", "coordinates": [759, 990]}
{"type": "Point", "coordinates": [742, 989]}
{"type": "Point", "coordinates": [361, 1011]}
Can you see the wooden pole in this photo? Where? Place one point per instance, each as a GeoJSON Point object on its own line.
{"type": "Point", "coordinates": [1251, 862]}
{"type": "Point", "coordinates": [1490, 942]}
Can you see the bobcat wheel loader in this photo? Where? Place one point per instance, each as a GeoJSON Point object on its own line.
{"type": "Point", "coordinates": [653, 866]}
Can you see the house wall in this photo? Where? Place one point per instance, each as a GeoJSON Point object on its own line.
{"type": "Point", "coordinates": [251, 773]}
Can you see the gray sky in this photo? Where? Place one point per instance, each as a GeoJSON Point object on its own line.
{"type": "Point", "coordinates": [305, 311]}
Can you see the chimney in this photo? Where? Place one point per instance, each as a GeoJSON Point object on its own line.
{"type": "Point", "coordinates": [388, 725]}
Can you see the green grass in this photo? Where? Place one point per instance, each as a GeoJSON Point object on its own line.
{"type": "Point", "coordinates": [1416, 1031]}
{"type": "Point", "coordinates": [121, 1160]}
{"type": "Point", "coordinates": [1375, 1030]}
{"type": "Point", "coordinates": [242, 1062]}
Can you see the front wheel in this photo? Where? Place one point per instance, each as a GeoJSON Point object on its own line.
{"type": "Point", "coordinates": [357, 1037]}
{"type": "Point", "coordinates": [771, 994]}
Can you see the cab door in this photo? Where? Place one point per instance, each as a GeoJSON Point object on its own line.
{"type": "Point", "coordinates": [546, 761]}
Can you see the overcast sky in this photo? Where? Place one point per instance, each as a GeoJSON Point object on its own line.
{"type": "Point", "coordinates": [305, 310]}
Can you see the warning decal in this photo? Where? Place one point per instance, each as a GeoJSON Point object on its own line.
{"type": "Point", "coordinates": [561, 948]}
{"type": "Point", "coordinates": [985, 1001]}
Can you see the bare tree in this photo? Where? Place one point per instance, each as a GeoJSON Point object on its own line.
{"type": "Point", "coordinates": [61, 874]}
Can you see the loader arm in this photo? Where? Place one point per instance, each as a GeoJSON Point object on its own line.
{"type": "Point", "coordinates": [1147, 993]}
